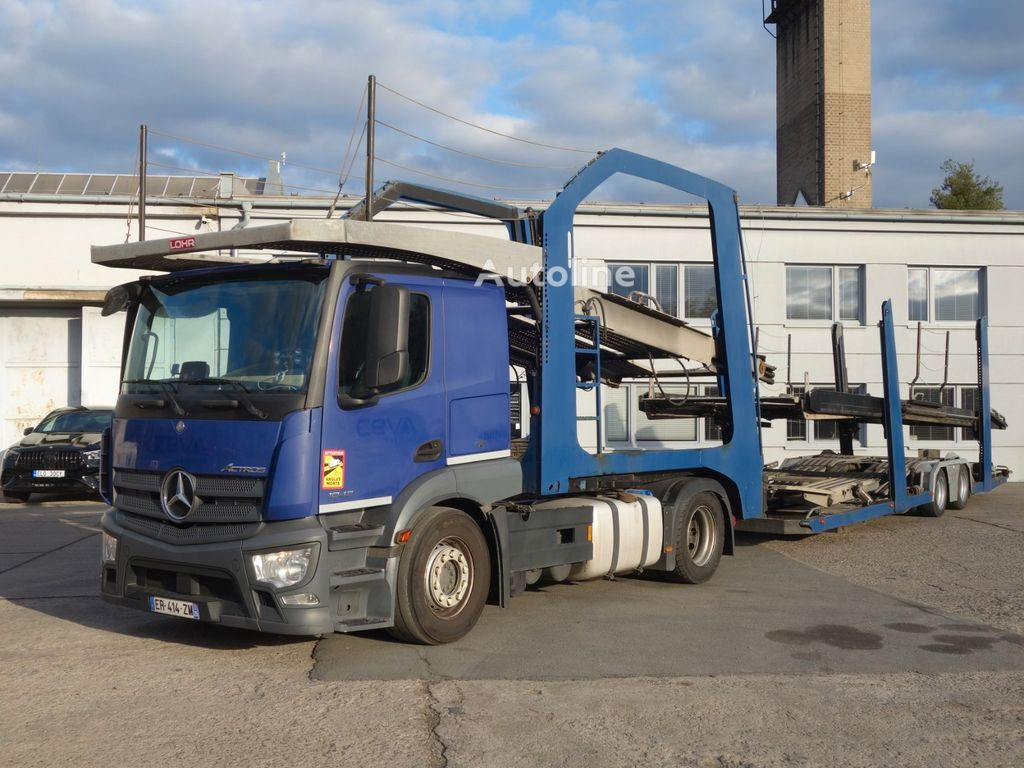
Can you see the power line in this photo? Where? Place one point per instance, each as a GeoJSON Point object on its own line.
{"type": "Point", "coordinates": [343, 172]}
{"type": "Point", "coordinates": [484, 128]}
{"type": "Point", "coordinates": [470, 154]}
{"type": "Point", "coordinates": [460, 181]}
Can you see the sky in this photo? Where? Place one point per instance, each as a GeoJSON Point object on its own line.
{"type": "Point", "coordinates": [685, 81]}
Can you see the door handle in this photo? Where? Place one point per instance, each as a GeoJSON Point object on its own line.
{"type": "Point", "coordinates": [429, 451]}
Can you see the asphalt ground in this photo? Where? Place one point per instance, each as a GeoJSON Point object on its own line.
{"type": "Point", "coordinates": [897, 642]}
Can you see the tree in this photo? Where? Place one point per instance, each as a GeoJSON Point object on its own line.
{"type": "Point", "coordinates": [965, 190]}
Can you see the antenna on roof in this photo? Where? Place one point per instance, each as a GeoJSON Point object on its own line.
{"type": "Point", "coordinates": [143, 135]}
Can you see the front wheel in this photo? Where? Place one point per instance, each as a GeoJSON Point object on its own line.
{"type": "Point", "coordinates": [15, 497]}
{"type": "Point", "coordinates": [699, 538]}
{"type": "Point", "coordinates": [443, 578]}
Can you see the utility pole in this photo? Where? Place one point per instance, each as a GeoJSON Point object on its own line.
{"type": "Point", "coordinates": [143, 131]}
{"type": "Point", "coordinates": [371, 120]}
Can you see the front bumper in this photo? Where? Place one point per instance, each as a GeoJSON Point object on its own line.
{"type": "Point", "coordinates": [218, 577]}
{"type": "Point", "coordinates": [85, 480]}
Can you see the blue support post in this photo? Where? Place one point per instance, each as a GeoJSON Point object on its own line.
{"type": "Point", "coordinates": [555, 463]}
{"type": "Point", "coordinates": [984, 481]}
{"type": "Point", "coordinates": [899, 497]}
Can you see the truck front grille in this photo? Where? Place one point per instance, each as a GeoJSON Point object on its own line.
{"type": "Point", "coordinates": [186, 534]}
{"type": "Point", "coordinates": [42, 458]}
{"type": "Point", "coordinates": [232, 500]}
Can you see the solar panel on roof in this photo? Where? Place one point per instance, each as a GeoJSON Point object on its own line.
{"type": "Point", "coordinates": [99, 185]}
{"type": "Point", "coordinates": [73, 184]}
{"type": "Point", "coordinates": [47, 183]}
{"type": "Point", "coordinates": [20, 182]}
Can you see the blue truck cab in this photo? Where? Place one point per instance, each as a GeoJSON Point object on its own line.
{"type": "Point", "coordinates": [259, 446]}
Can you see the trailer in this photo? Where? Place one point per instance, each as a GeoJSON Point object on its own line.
{"type": "Point", "coordinates": [313, 428]}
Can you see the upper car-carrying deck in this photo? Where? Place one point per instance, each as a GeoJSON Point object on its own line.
{"type": "Point", "coordinates": [629, 330]}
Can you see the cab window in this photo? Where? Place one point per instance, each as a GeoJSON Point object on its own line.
{"type": "Point", "coordinates": [352, 362]}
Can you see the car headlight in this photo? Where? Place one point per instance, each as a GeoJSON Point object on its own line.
{"type": "Point", "coordinates": [92, 458]}
{"type": "Point", "coordinates": [109, 548]}
{"type": "Point", "coordinates": [10, 456]}
{"type": "Point", "coordinates": [282, 569]}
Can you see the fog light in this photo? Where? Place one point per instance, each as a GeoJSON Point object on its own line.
{"type": "Point", "coordinates": [109, 548]}
{"type": "Point", "coordinates": [282, 569]}
{"type": "Point", "coordinates": [302, 598]}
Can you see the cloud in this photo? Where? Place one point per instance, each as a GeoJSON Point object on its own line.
{"type": "Point", "coordinates": [690, 83]}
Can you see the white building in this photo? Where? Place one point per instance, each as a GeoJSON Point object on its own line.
{"type": "Point", "coordinates": [808, 267]}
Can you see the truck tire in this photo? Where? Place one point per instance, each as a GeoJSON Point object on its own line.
{"type": "Point", "coordinates": [443, 578]}
{"type": "Point", "coordinates": [940, 497]}
{"type": "Point", "coordinates": [960, 491]}
{"type": "Point", "coordinates": [16, 498]}
{"type": "Point", "coordinates": [699, 538]}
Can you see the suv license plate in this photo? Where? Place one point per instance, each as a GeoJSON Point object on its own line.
{"type": "Point", "coordinates": [180, 608]}
{"type": "Point", "coordinates": [47, 473]}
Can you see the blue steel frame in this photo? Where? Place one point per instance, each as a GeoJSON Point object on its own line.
{"type": "Point", "coordinates": [900, 500]}
{"type": "Point", "coordinates": [555, 463]}
{"type": "Point", "coordinates": [985, 481]}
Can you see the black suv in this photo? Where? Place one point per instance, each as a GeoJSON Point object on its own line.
{"type": "Point", "coordinates": [59, 455]}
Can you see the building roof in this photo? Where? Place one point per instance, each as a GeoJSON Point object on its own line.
{"type": "Point", "coordinates": [122, 184]}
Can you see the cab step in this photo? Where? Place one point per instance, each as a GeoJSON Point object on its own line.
{"type": "Point", "coordinates": [351, 535]}
{"type": "Point", "coordinates": [356, 576]}
{"type": "Point", "coordinates": [367, 622]}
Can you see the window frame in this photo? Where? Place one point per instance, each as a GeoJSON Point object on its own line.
{"type": "Point", "coordinates": [680, 286]}
{"type": "Point", "coordinates": [429, 337]}
{"type": "Point", "coordinates": [960, 435]}
{"type": "Point", "coordinates": [835, 295]}
{"type": "Point", "coordinates": [931, 298]}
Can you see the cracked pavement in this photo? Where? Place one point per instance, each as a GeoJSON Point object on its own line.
{"type": "Point", "coordinates": [895, 642]}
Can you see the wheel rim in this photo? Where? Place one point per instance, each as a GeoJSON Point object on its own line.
{"type": "Point", "coordinates": [701, 535]}
{"type": "Point", "coordinates": [963, 486]}
{"type": "Point", "coordinates": [940, 494]}
{"type": "Point", "coordinates": [448, 576]}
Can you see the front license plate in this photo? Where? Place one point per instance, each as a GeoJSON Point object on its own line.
{"type": "Point", "coordinates": [180, 608]}
{"type": "Point", "coordinates": [47, 473]}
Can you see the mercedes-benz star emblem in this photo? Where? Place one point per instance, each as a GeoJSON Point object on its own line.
{"type": "Point", "coordinates": [178, 494]}
{"type": "Point", "coordinates": [179, 427]}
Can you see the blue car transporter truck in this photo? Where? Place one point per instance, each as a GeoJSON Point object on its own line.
{"type": "Point", "coordinates": [319, 440]}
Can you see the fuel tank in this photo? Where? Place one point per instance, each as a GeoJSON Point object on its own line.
{"type": "Point", "coordinates": [627, 533]}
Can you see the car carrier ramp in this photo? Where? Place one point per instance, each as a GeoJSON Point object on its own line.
{"type": "Point", "coordinates": [630, 331]}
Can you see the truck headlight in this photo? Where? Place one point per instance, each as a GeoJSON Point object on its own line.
{"type": "Point", "coordinates": [92, 458]}
{"type": "Point", "coordinates": [284, 568]}
{"type": "Point", "coordinates": [109, 548]}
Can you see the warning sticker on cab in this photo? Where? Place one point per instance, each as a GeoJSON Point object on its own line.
{"type": "Point", "coordinates": [333, 475]}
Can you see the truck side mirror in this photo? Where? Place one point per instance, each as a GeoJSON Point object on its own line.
{"type": "Point", "coordinates": [120, 298]}
{"type": "Point", "coordinates": [387, 338]}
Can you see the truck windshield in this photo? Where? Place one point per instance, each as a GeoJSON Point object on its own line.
{"type": "Point", "coordinates": [257, 333]}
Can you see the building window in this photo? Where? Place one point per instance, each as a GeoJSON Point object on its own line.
{"type": "Point", "coordinates": [712, 432]}
{"type": "Point", "coordinates": [968, 397]}
{"type": "Point", "coordinates": [825, 293]}
{"type": "Point", "coordinates": [694, 282]}
{"type": "Point", "coordinates": [933, 395]}
{"type": "Point", "coordinates": [662, 430]}
{"type": "Point", "coordinates": [701, 297]}
{"type": "Point", "coordinates": [947, 295]}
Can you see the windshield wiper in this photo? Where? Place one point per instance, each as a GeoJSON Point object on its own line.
{"type": "Point", "coordinates": [243, 396]}
{"type": "Point", "coordinates": [168, 390]}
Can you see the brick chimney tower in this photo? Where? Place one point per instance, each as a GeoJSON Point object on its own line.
{"type": "Point", "coordinates": [823, 94]}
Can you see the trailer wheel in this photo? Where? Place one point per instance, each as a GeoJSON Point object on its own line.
{"type": "Point", "coordinates": [699, 538]}
{"type": "Point", "coordinates": [443, 578]}
{"type": "Point", "coordinates": [963, 489]}
{"type": "Point", "coordinates": [940, 497]}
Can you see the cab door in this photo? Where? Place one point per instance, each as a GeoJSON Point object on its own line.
{"type": "Point", "coordinates": [371, 452]}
